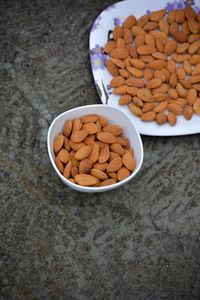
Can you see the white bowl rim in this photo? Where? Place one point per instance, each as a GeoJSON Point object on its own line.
{"type": "Point", "coordinates": [89, 189]}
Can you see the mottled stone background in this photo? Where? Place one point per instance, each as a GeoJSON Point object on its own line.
{"type": "Point", "coordinates": [141, 241]}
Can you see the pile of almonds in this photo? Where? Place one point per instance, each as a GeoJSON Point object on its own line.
{"type": "Point", "coordinates": [90, 152]}
{"type": "Point", "coordinates": [155, 64]}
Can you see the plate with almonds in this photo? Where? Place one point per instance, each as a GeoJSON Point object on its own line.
{"type": "Point", "coordinates": [145, 59]}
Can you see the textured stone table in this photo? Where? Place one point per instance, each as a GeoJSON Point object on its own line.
{"type": "Point", "coordinates": [140, 241]}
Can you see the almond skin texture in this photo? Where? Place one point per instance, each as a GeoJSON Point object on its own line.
{"type": "Point", "coordinates": [123, 173]}
{"type": "Point", "coordinates": [117, 32]}
{"type": "Point", "coordinates": [114, 129]}
{"type": "Point", "coordinates": [161, 118]}
{"type": "Point", "coordinates": [170, 47]}
{"type": "Point", "coordinates": [117, 148]}
{"type": "Point", "coordinates": [85, 179]}
{"type": "Point", "coordinates": [106, 137]}
{"type": "Point", "coordinates": [103, 155]}
{"type": "Point", "coordinates": [174, 108]}
{"type": "Point", "coordinates": [117, 81]}
{"type": "Point", "coordinates": [145, 50]}
{"type": "Point", "coordinates": [63, 156]}
{"type": "Point", "coordinates": [125, 99]}
{"type": "Point", "coordinates": [188, 112]}
{"type": "Point", "coordinates": [79, 135]}
{"type": "Point", "coordinates": [191, 96]}
{"type": "Point", "coordinates": [112, 69]}
{"type": "Point", "coordinates": [83, 152]}
{"type": "Point", "coordinates": [135, 110]}
{"type": "Point", "coordinates": [109, 46]}
{"type": "Point", "coordinates": [160, 107]}
{"type": "Point", "coordinates": [130, 22]}
{"type": "Point", "coordinates": [119, 53]}
{"type": "Point", "coordinates": [145, 95]}
{"type": "Point", "coordinates": [153, 83]}
{"type": "Point", "coordinates": [157, 64]}
{"type": "Point", "coordinates": [58, 143]}
{"type": "Point", "coordinates": [98, 174]}
{"type": "Point", "coordinates": [157, 15]}
{"type": "Point", "coordinates": [67, 128]}
{"type": "Point", "coordinates": [128, 161]}
{"type": "Point", "coordinates": [94, 154]}
{"type": "Point", "coordinates": [148, 116]}
{"type": "Point", "coordinates": [172, 119]}
{"type": "Point", "coordinates": [59, 164]}
{"type": "Point", "coordinates": [107, 182]}
{"type": "Point", "coordinates": [196, 107]}
{"type": "Point", "coordinates": [114, 165]}
{"type": "Point", "coordinates": [85, 166]}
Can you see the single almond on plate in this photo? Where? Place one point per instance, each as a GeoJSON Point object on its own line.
{"type": "Point", "coordinates": [103, 154]}
{"type": "Point", "coordinates": [128, 161]}
{"type": "Point", "coordinates": [67, 170]}
{"type": "Point", "coordinates": [148, 106]}
{"type": "Point", "coordinates": [145, 50]}
{"type": "Point", "coordinates": [174, 108]}
{"type": "Point", "coordinates": [173, 93]}
{"type": "Point", "coordinates": [130, 22]}
{"type": "Point", "coordinates": [67, 128]}
{"type": "Point", "coordinates": [125, 99]}
{"type": "Point", "coordinates": [172, 119]}
{"type": "Point", "coordinates": [135, 82]}
{"type": "Point", "coordinates": [148, 116]}
{"type": "Point", "coordinates": [91, 128]}
{"type": "Point", "coordinates": [63, 156]}
{"type": "Point", "coordinates": [196, 70]}
{"type": "Point", "coordinates": [112, 69]}
{"type": "Point", "coordinates": [160, 97]}
{"type": "Point", "coordinates": [188, 112]}
{"type": "Point", "coordinates": [170, 47]}
{"type": "Point", "coordinates": [76, 124]}
{"type": "Point", "coordinates": [85, 166]}
{"type": "Point", "coordinates": [117, 81]}
{"type": "Point", "coordinates": [160, 107]}
{"type": "Point", "coordinates": [109, 46]}
{"type": "Point", "coordinates": [79, 135]}
{"type": "Point", "coordinates": [121, 90]}
{"type": "Point", "coordinates": [161, 118]}
{"type": "Point", "coordinates": [157, 64]}
{"type": "Point", "coordinates": [191, 96]}
{"type": "Point", "coordinates": [100, 166]}
{"type": "Point", "coordinates": [117, 148]}
{"type": "Point", "coordinates": [119, 53]}
{"type": "Point", "coordinates": [118, 62]}
{"type": "Point", "coordinates": [157, 15]}
{"type": "Point", "coordinates": [135, 110]}
{"type": "Point", "coordinates": [145, 94]}
{"type": "Point", "coordinates": [193, 26]}
{"type": "Point", "coordinates": [106, 137]}
{"type": "Point", "coordinates": [196, 107]}
{"type": "Point", "coordinates": [94, 155]}
{"type": "Point", "coordinates": [85, 179]}
{"type": "Point", "coordinates": [164, 26]}
{"type": "Point", "coordinates": [137, 30]}
{"type": "Point", "coordinates": [153, 83]}
{"type": "Point", "coordinates": [117, 32]}
{"type": "Point", "coordinates": [127, 36]}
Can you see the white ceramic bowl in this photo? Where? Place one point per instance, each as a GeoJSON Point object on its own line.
{"type": "Point", "coordinates": [114, 116]}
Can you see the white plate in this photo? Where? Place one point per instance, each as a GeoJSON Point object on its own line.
{"type": "Point", "coordinates": [101, 29]}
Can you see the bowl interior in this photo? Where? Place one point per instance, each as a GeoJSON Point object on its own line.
{"type": "Point", "coordinates": [114, 116]}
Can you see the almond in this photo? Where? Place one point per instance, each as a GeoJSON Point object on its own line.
{"type": "Point", "coordinates": [164, 26]}
{"type": "Point", "coordinates": [173, 80]}
{"type": "Point", "coordinates": [131, 50]}
{"type": "Point", "coordinates": [148, 74]}
{"type": "Point", "coordinates": [170, 47]}
{"type": "Point", "coordinates": [74, 171]}
{"type": "Point", "coordinates": [58, 143]}
{"type": "Point", "coordinates": [127, 35]}
{"type": "Point", "coordinates": [159, 74]}
{"type": "Point", "coordinates": [196, 70]}
{"type": "Point", "coordinates": [94, 155]}
{"type": "Point", "coordinates": [118, 62]}
{"type": "Point", "coordinates": [157, 15]}
{"type": "Point", "coordinates": [194, 47]}
{"type": "Point", "coordinates": [119, 53]}
{"type": "Point", "coordinates": [109, 46]}
{"type": "Point", "coordinates": [151, 26]}
{"type": "Point", "coordinates": [120, 43]}
{"type": "Point", "coordinates": [79, 135]}
{"type": "Point", "coordinates": [63, 156]}
{"type": "Point", "coordinates": [145, 94]}
{"type": "Point", "coordinates": [160, 107]}
{"type": "Point", "coordinates": [85, 166]}
{"type": "Point", "coordinates": [91, 128]}
{"type": "Point", "coordinates": [194, 79]}
{"type": "Point", "coordinates": [148, 106]}
{"type": "Point", "coordinates": [114, 129]}
{"type": "Point", "coordinates": [137, 101]}
{"type": "Point", "coordinates": [137, 63]}
{"type": "Point", "coordinates": [135, 110]}
{"type": "Point", "coordinates": [59, 164]}
{"type": "Point", "coordinates": [179, 101]}
{"type": "Point", "coordinates": [180, 73]}
{"type": "Point", "coordinates": [107, 182]}
{"type": "Point", "coordinates": [128, 161]}
{"type": "Point", "coordinates": [161, 89]}
{"type": "Point", "coordinates": [179, 36]}
{"type": "Point", "coordinates": [143, 20]}
{"type": "Point", "coordinates": [189, 12]}
{"type": "Point", "coordinates": [121, 90]}
{"type": "Point", "coordinates": [193, 37]}
{"type": "Point", "coordinates": [160, 35]}
{"type": "Point", "coordinates": [76, 146]}
{"type": "Point", "coordinates": [113, 155]}
{"type": "Point", "coordinates": [153, 83]}
{"type": "Point", "coordinates": [121, 140]}
{"type": "Point", "coordinates": [157, 64]}
{"type": "Point", "coordinates": [67, 128]}
{"type": "Point", "coordinates": [172, 119]}
{"type": "Point", "coordinates": [139, 40]}
{"type": "Point", "coordinates": [171, 17]}
{"type": "Point", "coordinates": [196, 107]}
{"type": "Point", "coordinates": [180, 16]}
{"type": "Point", "coordinates": [106, 137]}
{"type": "Point", "coordinates": [135, 72]}
{"type": "Point", "coordinates": [185, 28]}
{"type": "Point", "coordinates": [182, 48]}
{"type": "Point", "coordinates": [98, 174]}
{"type": "Point", "coordinates": [117, 32]}
{"type": "Point", "coordinates": [161, 118]}
{"type": "Point", "coordinates": [149, 40]}
{"type": "Point", "coordinates": [131, 90]}
{"type": "Point", "coordinates": [193, 25]}
{"type": "Point", "coordinates": [171, 66]}
{"type": "Point", "coordinates": [173, 93]}
{"type": "Point", "coordinates": [100, 166]}
{"type": "Point", "coordinates": [112, 69]}
{"type": "Point", "coordinates": [67, 170]}
{"type": "Point", "coordinates": [117, 81]}
{"type": "Point", "coordinates": [159, 45]}
{"type": "Point", "coordinates": [114, 165]}
{"type": "Point", "coordinates": [148, 116]}
{"type": "Point", "coordinates": [160, 97]}
{"type": "Point", "coordinates": [191, 96]}
{"type": "Point", "coordinates": [174, 108]}
{"type": "Point", "coordinates": [159, 55]}
{"type": "Point", "coordinates": [188, 112]}
{"type": "Point", "coordinates": [179, 58]}
{"type": "Point", "coordinates": [187, 67]}
{"type": "Point", "coordinates": [117, 148]}
{"type": "Point", "coordinates": [103, 154]}
{"type": "Point", "coordinates": [137, 30]}
{"type": "Point", "coordinates": [85, 179]}
{"type": "Point", "coordinates": [123, 173]}
{"type": "Point", "coordinates": [194, 59]}
{"type": "Point", "coordinates": [180, 90]}
{"type": "Point", "coordinates": [83, 152]}
{"type": "Point", "coordinates": [145, 50]}
{"type": "Point", "coordinates": [124, 73]}
{"type": "Point", "coordinates": [136, 82]}
{"type": "Point", "coordinates": [66, 144]}
{"type": "Point", "coordinates": [146, 58]}
{"type": "Point", "coordinates": [130, 22]}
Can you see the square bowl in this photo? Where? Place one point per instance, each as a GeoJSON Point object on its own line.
{"type": "Point", "coordinates": [114, 116]}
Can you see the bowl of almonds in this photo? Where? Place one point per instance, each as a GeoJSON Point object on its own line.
{"type": "Point", "coordinates": [94, 148]}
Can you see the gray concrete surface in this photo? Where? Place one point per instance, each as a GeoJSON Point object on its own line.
{"type": "Point", "coordinates": [141, 241]}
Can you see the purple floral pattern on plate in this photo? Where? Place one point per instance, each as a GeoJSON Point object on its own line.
{"type": "Point", "coordinates": [98, 57]}
{"type": "Point", "coordinates": [178, 5]}
{"type": "Point", "coordinates": [110, 7]}
{"type": "Point", "coordinates": [96, 23]}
